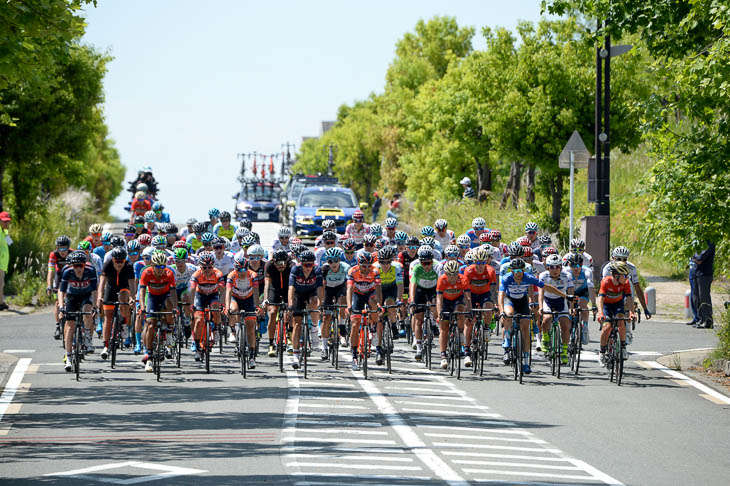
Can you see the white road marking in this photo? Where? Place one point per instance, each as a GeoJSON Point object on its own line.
{"type": "Point", "coordinates": [688, 350]}
{"type": "Point", "coordinates": [645, 353]}
{"type": "Point", "coordinates": [329, 415]}
{"type": "Point", "coordinates": [450, 412]}
{"type": "Point", "coordinates": [363, 476]}
{"type": "Point", "coordinates": [505, 456]}
{"type": "Point", "coordinates": [19, 351]}
{"type": "Point", "coordinates": [530, 474]}
{"type": "Point", "coordinates": [338, 431]}
{"type": "Point", "coordinates": [326, 383]}
{"type": "Point", "coordinates": [499, 447]}
{"type": "Point", "coordinates": [431, 404]}
{"type": "Point", "coordinates": [328, 390]}
{"type": "Point", "coordinates": [475, 429]}
{"type": "Point", "coordinates": [427, 397]}
{"type": "Point", "coordinates": [361, 457]}
{"type": "Point", "coordinates": [501, 423]}
{"type": "Point", "coordinates": [703, 388]}
{"type": "Point", "coordinates": [340, 423]}
{"type": "Point", "coordinates": [513, 464]}
{"type": "Point", "coordinates": [330, 406]}
{"type": "Point", "coordinates": [344, 440]}
{"type": "Point", "coordinates": [482, 437]}
{"type": "Point", "coordinates": [332, 465]}
{"type": "Point", "coordinates": [168, 472]}
{"type": "Point", "coordinates": [346, 399]}
{"type": "Point", "coordinates": [416, 389]}
{"type": "Point", "coordinates": [13, 384]}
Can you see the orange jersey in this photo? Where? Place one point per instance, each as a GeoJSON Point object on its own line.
{"type": "Point", "coordinates": [452, 291]}
{"type": "Point", "coordinates": [363, 284]}
{"type": "Point", "coordinates": [141, 207]}
{"type": "Point", "coordinates": [241, 285]}
{"type": "Point", "coordinates": [207, 284]}
{"type": "Point", "coordinates": [157, 285]}
{"type": "Point", "coordinates": [479, 283]}
{"type": "Point", "coordinates": [614, 293]}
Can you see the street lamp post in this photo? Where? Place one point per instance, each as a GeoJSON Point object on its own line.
{"type": "Point", "coordinates": [575, 155]}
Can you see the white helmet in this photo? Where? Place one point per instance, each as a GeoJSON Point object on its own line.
{"type": "Point", "coordinates": [284, 231]}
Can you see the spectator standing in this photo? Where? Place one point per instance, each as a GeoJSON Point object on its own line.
{"type": "Point", "coordinates": [394, 207]}
{"type": "Point", "coordinates": [5, 242]}
{"type": "Point", "coordinates": [703, 276]}
{"type": "Point", "coordinates": [692, 295]}
{"type": "Point", "coordinates": [377, 202]}
{"type": "Point", "coordinates": [468, 191]}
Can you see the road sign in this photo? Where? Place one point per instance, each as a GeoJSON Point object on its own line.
{"type": "Point", "coordinates": [580, 153]}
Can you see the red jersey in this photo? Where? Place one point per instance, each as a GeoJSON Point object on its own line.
{"type": "Point", "coordinates": [93, 244]}
{"type": "Point", "coordinates": [207, 284]}
{"type": "Point", "coordinates": [141, 207]}
{"type": "Point", "coordinates": [452, 291]}
{"type": "Point", "coordinates": [241, 285]}
{"type": "Point", "coordinates": [614, 293]}
{"type": "Point", "coordinates": [157, 285]}
{"type": "Point", "coordinates": [56, 261]}
{"type": "Point", "coordinates": [363, 284]}
{"type": "Point", "coordinates": [479, 283]}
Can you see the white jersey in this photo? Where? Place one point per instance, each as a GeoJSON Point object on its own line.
{"type": "Point", "coordinates": [182, 279]}
{"type": "Point", "coordinates": [97, 262]}
{"type": "Point", "coordinates": [562, 283]}
{"type": "Point", "coordinates": [587, 260]}
{"type": "Point", "coordinates": [633, 275]}
{"type": "Point", "coordinates": [356, 234]}
{"type": "Point", "coordinates": [446, 240]}
{"type": "Point", "coordinates": [225, 263]}
{"type": "Point", "coordinates": [277, 245]}
{"type": "Point", "coordinates": [538, 266]}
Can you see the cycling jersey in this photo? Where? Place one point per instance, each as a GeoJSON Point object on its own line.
{"type": "Point", "coordinates": [424, 279]}
{"type": "Point", "coordinates": [452, 291]}
{"type": "Point", "coordinates": [517, 290]}
{"type": "Point", "coordinates": [74, 285]}
{"type": "Point", "coordinates": [157, 285]}
{"type": "Point", "coordinates": [587, 260]}
{"type": "Point", "coordinates": [277, 245]}
{"type": "Point", "coordinates": [480, 283]}
{"type": "Point", "coordinates": [352, 261]}
{"type": "Point", "coordinates": [118, 280]}
{"type": "Point", "coordinates": [139, 207]}
{"type": "Point", "coordinates": [335, 279]}
{"type": "Point", "coordinates": [194, 242]}
{"type": "Point", "coordinates": [259, 279]}
{"type": "Point", "coordinates": [318, 241]}
{"type": "Point", "coordinates": [393, 276]}
{"type": "Point", "coordinates": [56, 261]}
{"type": "Point", "coordinates": [563, 282]}
{"type": "Point", "coordinates": [446, 240]}
{"type": "Point", "coordinates": [356, 234]}
{"type": "Point", "coordinates": [97, 263]}
{"type": "Point", "coordinates": [474, 237]}
{"type": "Point", "coordinates": [99, 251]}
{"type": "Point", "coordinates": [505, 269]}
{"type": "Point", "coordinates": [225, 263]}
{"type": "Point", "coordinates": [207, 284]}
{"type": "Point", "coordinates": [537, 267]}
{"type": "Point", "coordinates": [305, 283]}
{"type": "Point", "coordinates": [279, 280]}
{"type": "Point", "coordinates": [139, 265]}
{"type": "Point", "coordinates": [439, 267]}
{"type": "Point", "coordinates": [241, 285]}
{"type": "Point", "coordinates": [182, 279]}
{"type": "Point", "coordinates": [613, 293]}
{"type": "Point", "coordinates": [584, 280]}
{"type": "Point", "coordinates": [633, 274]}
{"type": "Point", "coordinates": [229, 232]}
{"type": "Point", "coordinates": [405, 260]}
{"type": "Point", "coordinates": [162, 217]}
{"type": "Point", "coordinates": [363, 284]}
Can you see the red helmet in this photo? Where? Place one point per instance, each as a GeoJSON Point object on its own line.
{"type": "Point", "coordinates": [358, 215]}
{"type": "Point", "coordinates": [295, 241]}
{"type": "Point", "coordinates": [179, 244]}
{"type": "Point", "coordinates": [484, 238]}
{"type": "Point", "coordinates": [495, 235]}
{"type": "Point", "coordinates": [527, 251]}
{"type": "Point", "coordinates": [524, 241]}
{"type": "Point", "coordinates": [144, 239]}
{"type": "Point", "coordinates": [550, 251]}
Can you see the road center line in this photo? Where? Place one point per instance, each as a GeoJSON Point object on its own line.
{"type": "Point", "coordinates": [13, 384]}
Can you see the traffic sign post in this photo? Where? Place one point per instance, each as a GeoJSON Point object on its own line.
{"type": "Point", "coordinates": [575, 155]}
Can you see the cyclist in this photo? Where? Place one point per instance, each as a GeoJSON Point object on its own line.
{"type": "Point", "coordinates": [213, 215]}
{"type": "Point", "coordinates": [224, 226]}
{"type": "Point", "coordinates": [357, 229]}
{"type": "Point", "coordinates": [481, 277]}
{"type": "Point", "coordinates": [348, 255]}
{"type": "Point", "coordinates": [531, 230]}
{"type": "Point", "coordinates": [205, 285]}
{"type": "Point", "coordinates": [171, 234]}
{"type": "Point", "coordinates": [306, 290]}
{"type": "Point", "coordinates": [363, 287]}
{"type": "Point", "coordinates": [334, 275]}
{"type": "Point", "coordinates": [614, 299]}
{"type": "Point", "coordinates": [368, 246]}
{"type": "Point", "coordinates": [92, 258]}
{"type": "Point", "coordinates": [283, 237]}
{"type": "Point", "coordinates": [130, 233]}
{"type": "Point", "coordinates": [160, 216]}
{"type": "Point", "coordinates": [423, 280]}
{"type": "Point", "coordinates": [276, 290]}
{"type": "Point", "coordinates": [621, 254]}
{"type": "Point", "coordinates": [150, 224]}
{"type": "Point", "coordinates": [391, 282]}
{"type": "Point", "coordinates": [193, 239]}
{"type": "Point", "coordinates": [478, 226]}
{"type": "Point", "coordinates": [155, 285]}
{"type": "Point", "coordinates": [242, 295]}
{"type": "Point", "coordinates": [106, 245]}
{"type": "Point", "coordinates": [184, 271]}
{"type": "Point", "coordinates": [139, 227]}
{"type": "Point", "coordinates": [464, 244]}
{"type": "Point", "coordinates": [495, 239]}
{"type": "Point", "coordinates": [140, 205]}
{"type": "Point", "coordinates": [241, 232]}
{"type": "Point", "coordinates": [578, 245]}
{"type": "Point", "coordinates": [399, 241]}
{"type": "Point", "coordinates": [443, 236]}
{"type": "Point", "coordinates": [329, 239]}
{"type": "Point", "coordinates": [548, 301]}
{"type": "Point", "coordinates": [133, 251]}
{"type": "Point", "coordinates": [545, 241]}
{"type": "Point", "coordinates": [257, 263]}
{"type": "Point", "coordinates": [188, 229]}
{"type": "Point", "coordinates": [118, 285]}
{"type": "Point", "coordinates": [430, 242]}
{"type": "Point", "coordinates": [391, 226]}
{"type": "Point", "coordinates": [452, 295]}
{"type": "Point", "coordinates": [429, 232]}
{"type": "Point", "coordinates": [584, 289]}
{"type": "Point", "coordinates": [223, 258]}
{"type": "Point", "coordinates": [144, 241]}
{"type": "Point", "coordinates": [515, 293]}
{"type": "Point", "coordinates": [57, 261]}
{"type": "Point", "coordinates": [76, 293]}
{"type": "Point", "coordinates": [327, 225]}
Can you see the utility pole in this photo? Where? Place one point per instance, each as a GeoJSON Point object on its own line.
{"type": "Point", "coordinates": [243, 165]}
{"type": "Point", "coordinates": [289, 147]}
{"type": "Point", "coordinates": [331, 151]}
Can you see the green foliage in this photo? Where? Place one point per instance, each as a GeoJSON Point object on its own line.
{"type": "Point", "coordinates": [723, 333]}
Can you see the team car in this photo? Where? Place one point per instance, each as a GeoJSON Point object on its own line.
{"type": "Point", "coordinates": [258, 200]}
{"type": "Point", "coordinates": [315, 204]}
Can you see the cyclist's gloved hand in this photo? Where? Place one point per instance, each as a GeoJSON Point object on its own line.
{"type": "Point", "coordinates": [647, 314]}
{"type": "Point", "coordinates": [601, 317]}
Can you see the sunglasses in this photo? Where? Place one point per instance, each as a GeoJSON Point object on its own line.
{"type": "Point", "coordinates": [218, 247]}
{"type": "Point", "coordinates": [139, 225]}
{"type": "Point", "coordinates": [128, 235]}
{"type": "Point", "coordinates": [206, 267]}
{"type": "Point", "coordinates": [283, 237]}
{"type": "Point", "coordinates": [574, 266]}
{"type": "Point", "coordinates": [552, 267]}
{"type": "Point", "coordinates": [329, 242]}
{"type": "Point", "coordinates": [255, 258]}
{"type": "Point", "coordinates": [307, 265]}
{"type": "Point", "coordinates": [160, 267]}
{"type": "Point", "coordinates": [517, 270]}
{"type": "Point", "coordinates": [368, 244]}
{"type": "Point", "coordinates": [349, 252]}
{"type": "Point", "coordinates": [333, 260]}
{"type": "Point", "coordinates": [78, 265]}
{"type": "Point", "coordinates": [621, 259]}
{"type": "Point", "coordinates": [461, 247]}
{"type": "Point", "coordinates": [481, 262]}
{"type": "Point", "coordinates": [531, 232]}
{"type": "Point", "coordinates": [119, 261]}
{"type": "Point", "coordinates": [386, 262]}
{"type": "Point", "coordinates": [427, 262]}
{"type": "Point", "coordinates": [280, 262]}
{"type": "Point", "coordinates": [96, 234]}
{"type": "Point", "coordinates": [146, 258]}
{"type": "Point", "coordinates": [413, 248]}
{"type": "Point", "coordinates": [63, 249]}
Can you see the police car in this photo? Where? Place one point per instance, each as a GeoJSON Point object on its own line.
{"type": "Point", "coordinates": [315, 204]}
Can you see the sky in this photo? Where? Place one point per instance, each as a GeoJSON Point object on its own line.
{"type": "Point", "coordinates": [192, 84]}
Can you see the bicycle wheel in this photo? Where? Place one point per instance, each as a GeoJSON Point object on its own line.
{"type": "Point", "coordinates": [558, 351]}
{"type": "Point", "coordinates": [609, 356]}
{"type": "Point", "coordinates": [222, 334]}
{"type": "Point", "coordinates": [179, 338]}
{"type": "Point", "coordinates": [334, 341]}
{"type": "Point", "coordinates": [618, 359]}
{"type": "Point", "coordinates": [451, 350]}
{"type": "Point", "coordinates": [243, 348]}
{"type": "Point", "coordinates": [79, 339]}
{"type": "Point", "coordinates": [518, 356]}
{"type": "Point", "coordinates": [304, 347]}
{"type": "Point", "coordinates": [457, 352]}
{"type": "Point", "coordinates": [427, 341]}
{"type": "Point", "coordinates": [365, 348]}
{"type": "Point", "coordinates": [482, 342]}
{"type": "Point", "coordinates": [578, 348]}
{"type": "Point", "coordinates": [387, 343]}
{"type": "Point", "coordinates": [280, 340]}
{"type": "Point", "coordinates": [158, 352]}
{"type": "Point", "coordinates": [206, 347]}
{"type": "Point", "coordinates": [113, 342]}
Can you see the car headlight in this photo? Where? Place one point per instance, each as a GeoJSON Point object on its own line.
{"type": "Point", "coordinates": [304, 220]}
{"type": "Point", "coordinates": [244, 207]}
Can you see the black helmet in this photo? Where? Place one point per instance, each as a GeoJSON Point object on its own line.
{"type": "Point", "coordinates": [63, 240]}
{"type": "Point", "coordinates": [386, 253]}
{"type": "Point", "coordinates": [329, 236]}
{"type": "Point", "coordinates": [280, 256]}
{"type": "Point", "coordinates": [118, 242]}
{"type": "Point", "coordinates": [425, 254]}
{"type": "Point", "coordinates": [119, 254]}
{"type": "Point", "coordinates": [412, 241]}
{"type": "Point", "coordinates": [246, 223]}
{"type": "Point", "coordinates": [138, 220]}
{"type": "Point", "coordinates": [76, 257]}
{"type": "Point", "coordinates": [171, 228]}
{"type": "Point", "coordinates": [130, 229]}
{"type": "Point", "coordinates": [199, 227]}
{"type": "Point", "coordinates": [517, 264]}
{"type": "Point", "coordinates": [515, 250]}
{"type": "Point", "coordinates": [225, 215]}
{"type": "Point", "coordinates": [306, 256]}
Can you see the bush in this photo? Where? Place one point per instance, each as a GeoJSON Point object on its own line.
{"type": "Point", "coordinates": [723, 333]}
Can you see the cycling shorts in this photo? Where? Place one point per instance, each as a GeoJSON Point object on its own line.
{"type": "Point", "coordinates": [480, 299]}
{"type": "Point", "coordinates": [359, 301]}
{"type": "Point", "coordinates": [111, 295]}
{"type": "Point", "coordinates": [558, 306]}
{"type": "Point", "coordinates": [423, 296]}
{"type": "Point", "coordinates": [156, 303]}
{"type": "Point", "coordinates": [76, 303]}
{"type": "Point", "coordinates": [612, 310]}
{"type": "Point", "coordinates": [277, 296]}
{"type": "Point", "coordinates": [245, 305]}
{"type": "Point", "coordinates": [332, 294]}
{"type": "Point", "coordinates": [205, 300]}
{"type": "Point", "coordinates": [519, 306]}
{"type": "Point", "coordinates": [390, 292]}
{"type": "Point", "coordinates": [450, 305]}
{"type": "Point", "coordinates": [301, 300]}
{"type": "Point", "coordinates": [583, 294]}
{"type": "Point", "coordinates": [181, 292]}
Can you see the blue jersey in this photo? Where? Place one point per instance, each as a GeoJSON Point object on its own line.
{"type": "Point", "coordinates": [139, 265]}
{"type": "Point", "coordinates": [352, 261]}
{"type": "Point", "coordinates": [335, 279]}
{"type": "Point", "coordinates": [99, 250]}
{"type": "Point", "coordinates": [73, 285]}
{"type": "Point", "coordinates": [302, 284]}
{"type": "Point", "coordinates": [584, 280]}
{"type": "Point", "coordinates": [474, 238]}
{"type": "Point", "coordinates": [514, 290]}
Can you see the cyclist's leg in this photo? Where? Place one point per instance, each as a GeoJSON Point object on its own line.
{"type": "Point", "coordinates": [374, 319]}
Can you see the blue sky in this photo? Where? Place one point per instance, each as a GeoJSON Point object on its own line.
{"type": "Point", "coordinates": [194, 83]}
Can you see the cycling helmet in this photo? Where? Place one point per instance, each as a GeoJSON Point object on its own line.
{"type": "Point", "coordinates": [172, 228]}
{"type": "Point", "coordinates": [199, 227]}
{"type": "Point", "coordinates": [117, 242]}
{"type": "Point", "coordinates": [207, 238]}
{"type": "Point", "coordinates": [162, 228]}
{"type": "Point", "coordinates": [307, 256]}
{"type": "Point", "coordinates": [206, 258]}
{"type": "Point", "coordinates": [225, 216]}
{"type": "Point", "coordinates": [485, 238]}
{"type": "Point", "coordinates": [575, 259]}
{"type": "Point", "coordinates": [95, 228]}
{"type": "Point", "coordinates": [149, 217]}
{"type": "Point", "coordinates": [578, 243]}
{"type": "Point", "coordinates": [157, 206]}
{"type": "Point", "coordinates": [427, 231]}
{"type": "Point", "coordinates": [257, 250]}
{"type": "Point", "coordinates": [552, 261]}
{"type": "Point", "coordinates": [527, 251]}
{"type": "Point", "coordinates": [531, 226]}
{"type": "Point", "coordinates": [480, 254]}
{"type": "Point", "coordinates": [139, 220]}
{"type": "Point", "coordinates": [428, 241]}
{"type": "Point", "coordinates": [106, 237]}
{"type": "Point", "coordinates": [620, 252]}
{"type": "Point", "coordinates": [246, 223]}
{"type": "Point", "coordinates": [241, 232]}
{"type": "Point", "coordinates": [333, 254]}
{"type": "Point", "coordinates": [147, 252]}
{"type": "Point", "coordinates": [524, 241]}
{"type": "Point", "coordinates": [296, 248]}
{"type": "Point", "coordinates": [515, 250]}
{"type": "Point", "coordinates": [179, 244]}
{"type": "Point", "coordinates": [400, 237]}
{"type": "Point", "coordinates": [463, 241]}
{"type": "Point", "coordinates": [620, 268]}
{"type": "Point", "coordinates": [76, 257]}
{"type": "Point", "coordinates": [376, 229]}
{"type": "Point", "coordinates": [478, 224]}
{"type": "Point", "coordinates": [144, 239]}
{"type": "Point", "coordinates": [284, 232]}
{"type": "Point", "coordinates": [328, 224]}
{"type": "Point", "coordinates": [280, 255]}
{"type": "Point", "coordinates": [240, 261]}
{"type": "Point", "coordinates": [63, 240]}
{"type": "Point", "coordinates": [413, 241]}
{"type": "Point", "coordinates": [293, 241]}
{"type": "Point", "coordinates": [495, 235]}
{"type": "Point", "coordinates": [159, 258]}
{"type": "Point", "coordinates": [191, 221]}
{"type": "Point", "coordinates": [329, 236]}
{"type": "Point", "coordinates": [545, 239]}
{"type": "Point", "coordinates": [425, 253]}
{"type": "Point", "coordinates": [451, 251]}
{"type": "Point", "coordinates": [391, 223]}
{"type": "Point", "coordinates": [451, 267]}
{"type": "Point", "coordinates": [550, 251]}
{"type": "Point", "coordinates": [119, 254]}
{"type": "Point", "coordinates": [349, 244]}
{"type": "Point", "coordinates": [214, 213]}
{"type": "Point", "coordinates": [379, 243]}
{"type": "Point", "coordinates": [248, 240]}
{"type": "Point", "coordinates": [181, 254]}
{"type": "Point", "coordinates": [369, 239]}
{"type": "Point", "coordinates": [517, 264]}
{"type": "Point", "coordinates": [159, 241]}
{"type": "Point", "coordinates": [133, 245]}
{"type": "Point", "coordinates": [226, 242]}
{"type": "Point", "coordinates": [139, 195]}
{"type": "Point", "coordinates": [440, 224]}
{"type": "Point", "coordinates": [469, 257]}
{"type": "Point", "coordinates": [358, 215]}
{"type": "Point", "coordinates": [365, 258]}
{"type": "Point", "coordinates": [142, 187]}
{"type": "Point", "coordinates": [386, 253]}
{"type": "Point", "coordinates": [130, 229]}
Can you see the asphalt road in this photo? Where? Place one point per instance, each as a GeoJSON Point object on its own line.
{"type": "Point", "coordinates": [413, 426]}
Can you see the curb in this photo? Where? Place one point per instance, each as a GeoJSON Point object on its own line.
{"type": "Point", "coordinates": [7, 364]}
{"type": "Point", "coordinates": [694, 359]}
{"type": "Point", "coordinates": [23, 311]}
